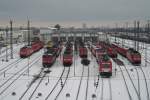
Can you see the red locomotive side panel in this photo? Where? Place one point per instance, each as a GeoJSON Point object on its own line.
{"type": "Point", "coordinates": [25, 52]}
{"type": "Point", "coordinates": [133, 56]}
{"type": "Point", "coordinates": [36, 46]}
{"type": "Point", "coordinates": [122, 51]}
{"type": "Point", "coordinates": [111, 52]}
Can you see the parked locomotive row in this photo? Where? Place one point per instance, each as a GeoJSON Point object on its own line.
{"type": "Point", "coordinates": [132, 55]}
{"type": "Point", "coordinates": [102, 51]}
{"type": "Point", "coordinates": [102, 58]}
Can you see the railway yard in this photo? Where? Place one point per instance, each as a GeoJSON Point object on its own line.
{"type": "Point", "coordinates": [27, 79]}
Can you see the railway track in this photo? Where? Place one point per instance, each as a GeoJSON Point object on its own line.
{"type": "Point", "coordinates": [138, 79]}
{"type": "Point", "coordinates": [130, 98]}
{"type": "Point", "coordinates": [110, 89]}
{"type": "Point", "coordinates": [102, 89]}
{"type": "Point", "coordinates": [87, 85]}
{"type": "Point", "coordinates": [38, 85]}
{"type": "Point", "coordinates": [131, 80]}
{"type": "Point", "coordinates": [10, 65]}
{"type": "Point", "coordinates": [55, 85]}
{"type": "Point", "coordinates": [63, 85]}
{"type": "Point", "coordinates": [104, 81]}
{"type": "Point", "coordinates": [146, 85]}
{"type": "Point", "coordinates": [137, 73]}
{"type": "Point", "coordinates": [80, 83]}
{"type": "Point", "coordinates": [31, 85]}
{"type": "Point", "coordinates": [23, 70]}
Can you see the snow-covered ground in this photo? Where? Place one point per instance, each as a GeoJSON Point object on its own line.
{"type": "Point", "coordinates": [127, 83]}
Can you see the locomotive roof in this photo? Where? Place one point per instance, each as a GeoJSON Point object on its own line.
{"type": "Point", "coordinates": [105, 57]}
{"type": "Point", "coordinates": [133, 51]}
{"type": "Point", "coordinates": [67, 52]}
{"type": "Point", "coordinates": [49, 51]}
{"type": "Point", "coordinates": [26, 47]}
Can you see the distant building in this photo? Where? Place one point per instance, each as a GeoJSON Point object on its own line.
{"type": "Point", "coordinates": [46, 34]}
{"type": "Point", "coordinates": [19, 35]}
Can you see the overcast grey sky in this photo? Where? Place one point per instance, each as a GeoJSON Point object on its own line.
{"type": "Point", "coordinates": [75, 10]}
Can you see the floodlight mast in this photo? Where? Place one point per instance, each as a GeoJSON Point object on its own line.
{"type": "Point", "coordinates": [11, 38]}
{"type": "Point", "coordinates": [28, 27]}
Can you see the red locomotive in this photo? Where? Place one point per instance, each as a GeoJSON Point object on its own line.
{"type": "Point", "coordinates": [83, 52]}
{"type": "Point", "coordinates": [36, 46]}
{"type": "Point", "coordinates": [133, 56]}
{"type": "Point", "coordinates": [111, 52]}
{"type": "Point", "coordinates": [27, 51]}
{"type": "Point", "coordinates": [49, 58]}
{"type": "Point", "coordinates": [67, 58]}
{"type": "Point", "coordinates": [105, 66]}
{"type": "Point", "coordinates": [120, 50]}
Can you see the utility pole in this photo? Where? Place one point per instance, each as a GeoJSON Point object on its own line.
{"type": "Point", "coordinates": [116, 31]}
{"type": "Point", "coordinates": [135, 35]}
{"type": "Point", "coordinates": [127, 32]}
{"type": "Point", "coordinates": [11, 39]}
{"type": "Point", "coordinates": [6, 44]}
{"type": "Point", "coordinates": [148, 29]}
{"type": "Point", "coordinates": [138, 32]}
{"type": "Point", "coordinates": [148, 40]}
{"type": "Point", "coordinates": [28, 26]}
{"type": "Point", "coordinates": [122, 33]}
